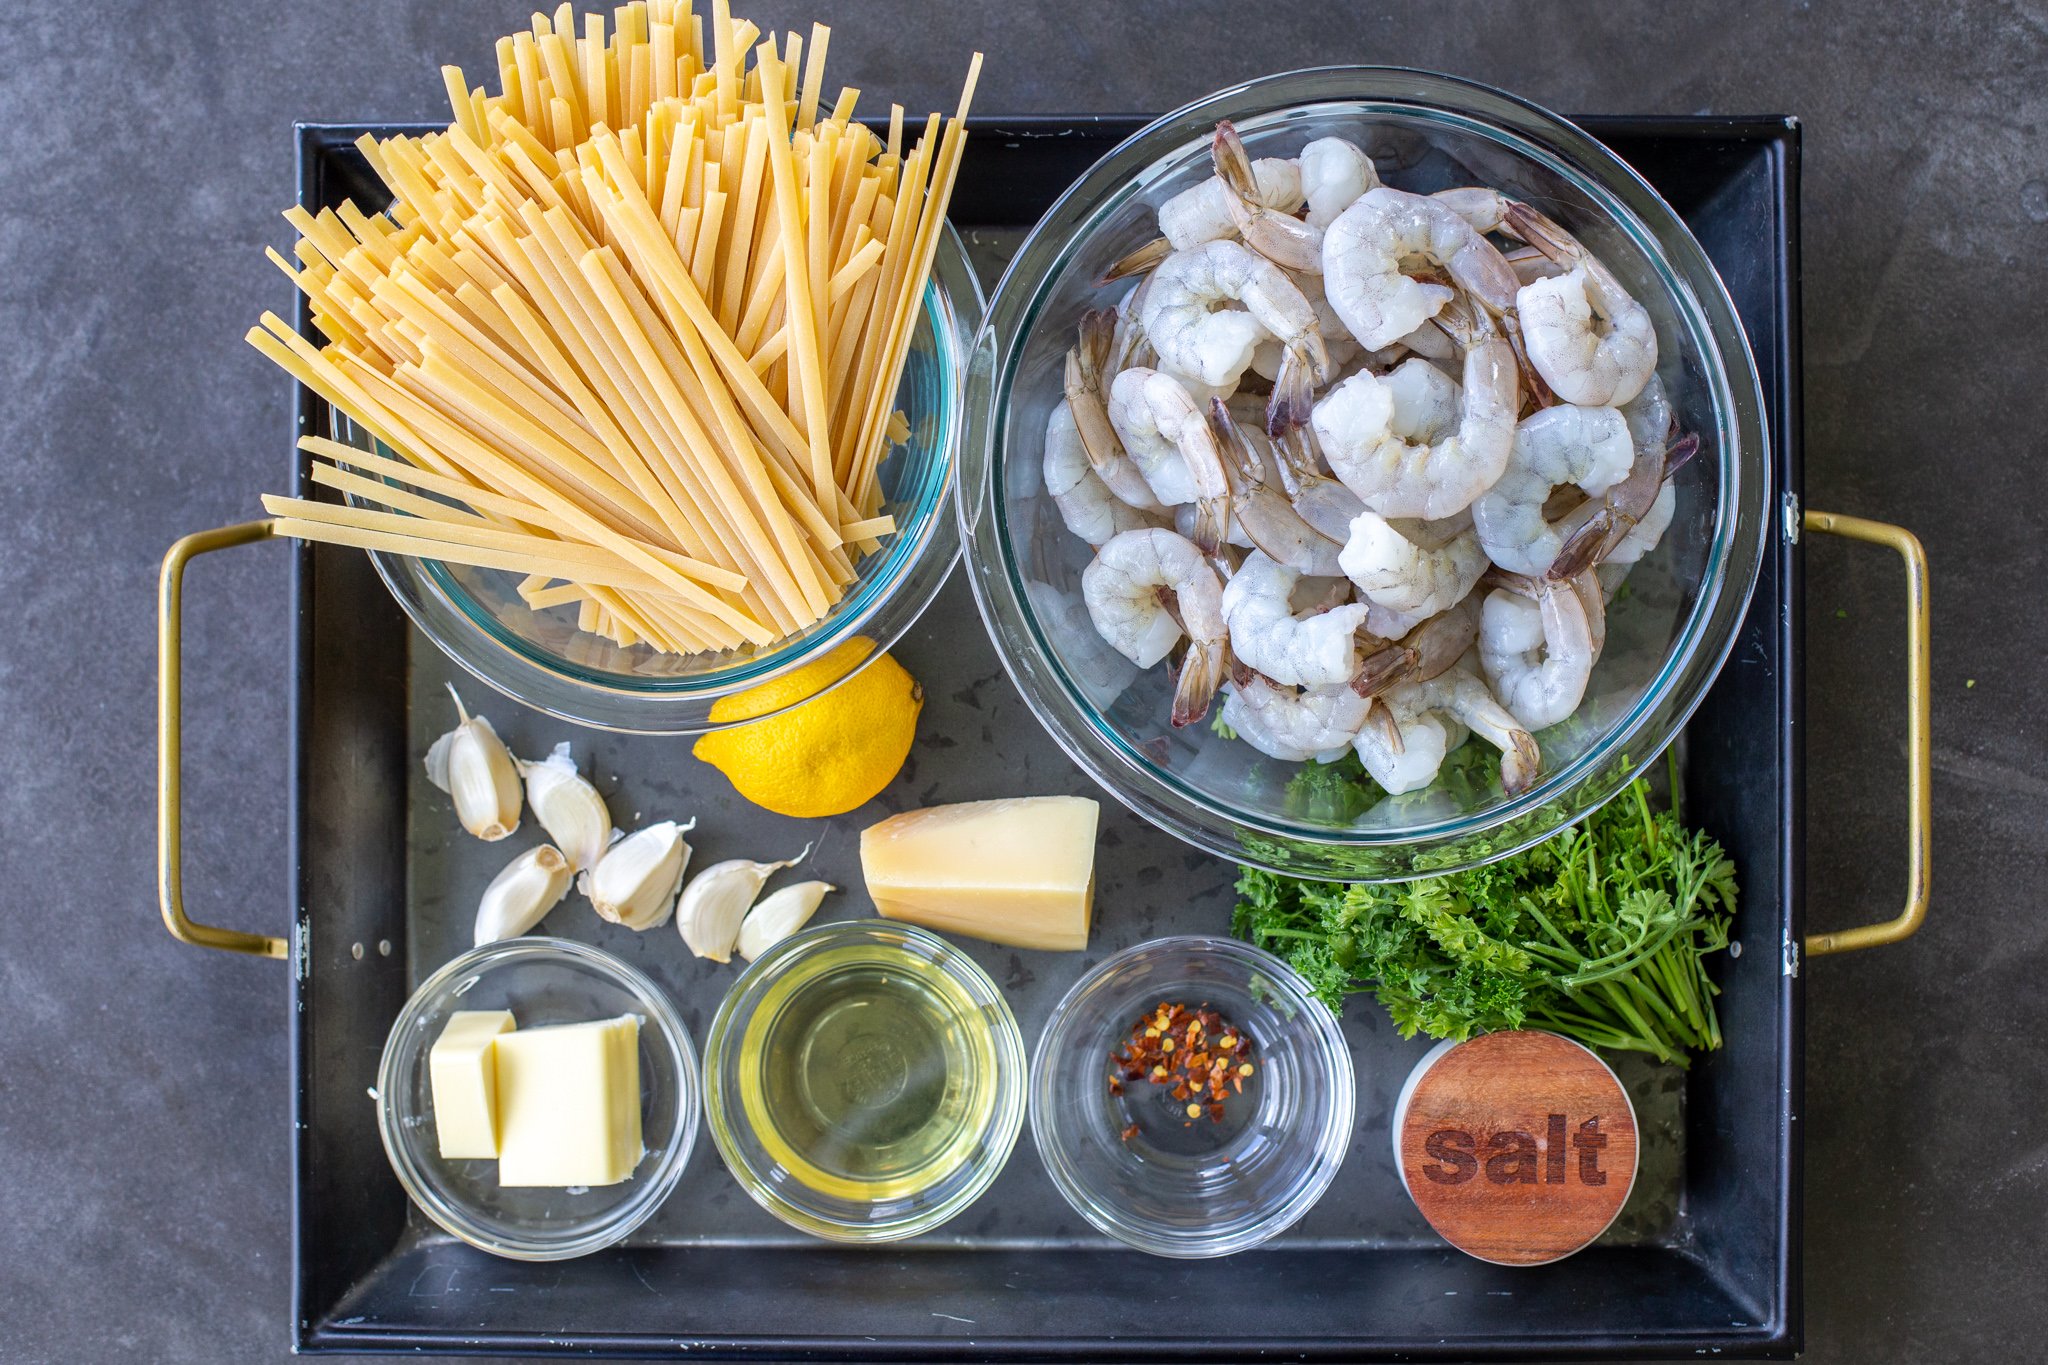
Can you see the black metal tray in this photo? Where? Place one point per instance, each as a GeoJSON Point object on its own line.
{"type": "Point", "coordinates": [1705, 1259]}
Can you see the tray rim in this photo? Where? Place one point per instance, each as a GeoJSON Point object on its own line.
{"type": "Point", "coordinates": [1779, 136]}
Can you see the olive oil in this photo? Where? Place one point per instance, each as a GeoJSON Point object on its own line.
{"type": "Point", "coordinates": [868, 1073]}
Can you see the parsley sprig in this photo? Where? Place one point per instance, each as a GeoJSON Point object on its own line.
{"type": "Point", "coordinates": [1598, 933]}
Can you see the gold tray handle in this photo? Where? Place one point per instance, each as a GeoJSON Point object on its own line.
{"type": "Point", "coordinates": [169, 876]}
{"type": "Point", "coordinates": [1919, 747]}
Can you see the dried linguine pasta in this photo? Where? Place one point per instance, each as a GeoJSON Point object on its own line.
{"type": "Point", "coordinates": [634, 325]}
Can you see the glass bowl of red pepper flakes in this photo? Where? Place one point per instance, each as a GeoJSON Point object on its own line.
{"type": "Point", "coordinates": [1190, 1098]}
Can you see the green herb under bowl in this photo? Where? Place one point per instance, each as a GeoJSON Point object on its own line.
{"type": "Point", "coordinates": [1599, 933]}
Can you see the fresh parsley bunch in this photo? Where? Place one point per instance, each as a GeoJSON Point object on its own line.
{"type": "Point", "coordinates": [1598, 933]}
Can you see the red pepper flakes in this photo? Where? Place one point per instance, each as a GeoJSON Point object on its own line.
{"type": "Point", "coordinates": [1195, 1051]}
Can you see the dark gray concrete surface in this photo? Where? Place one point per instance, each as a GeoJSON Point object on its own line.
{"type": "Point", "coordinates": [144, 152]}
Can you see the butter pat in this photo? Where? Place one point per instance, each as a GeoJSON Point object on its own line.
{"type": "Point", "coordinates": [569, 1103]}
{"type": "Point", "coordinates": [462, 1071]}
{"type": "Point", "coordinates": [1019, 871]}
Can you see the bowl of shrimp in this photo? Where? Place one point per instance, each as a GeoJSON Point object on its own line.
{"type": "Point", "coordinates": [1364, 473]}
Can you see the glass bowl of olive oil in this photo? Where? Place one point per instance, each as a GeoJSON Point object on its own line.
{"type": "Point", "coordinates": [864, 1081]}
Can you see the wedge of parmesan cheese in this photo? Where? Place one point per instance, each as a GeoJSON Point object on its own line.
{"type": "Point", "coordinates": [1019, 871]}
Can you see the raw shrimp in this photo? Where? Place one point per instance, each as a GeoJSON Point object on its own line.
{"type": "Point", "coordinates": [1268, 518]}
{"type": "Point", "coordinates": [1592, 343]}
{"type": "Point", "coordinates": [1318, 649]}
{"type": "Point", "coordinates": [1087, 363]}
{"type": "Point", "coordinates": [1201, 213]}
{"type": "Point", "coordinates": [1630, 519]}
{"type": "Point", "coordinates": [1188, 318]}
{"type": "Point", "coordinates": [1381, 459]}
{"type": "Point", "coordinates": [1366, 248]}
{"type": "Point", "coordinates": [1422, 653]}
{"type": "Point", "coordinates": [1423, 714]}
{"type": "Point", "coordinates": [1086, 504]}
{"type": "Point", "coordinates": [1334, 172]}
{"type": "Point", "coordinates": [1405, 757]}
{"type": "Point", "coordinates": [1537, 654]}
{"type": "Point", "coordinates": [1589, 447]}
{"type": "Point", "coordinates": [1168, 438]}
{"type": "Point", "coordinates": [1579, 360]}
{"type": "Point", "coordinates": [1295, 724]}
{"type": "Point", "coordinates": [1138, 583]}
{"type": "Point", "coordinates": [1394, 571]}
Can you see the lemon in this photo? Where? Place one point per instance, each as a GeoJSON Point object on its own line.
{"type": "Point", "coordinates": [828, 755]}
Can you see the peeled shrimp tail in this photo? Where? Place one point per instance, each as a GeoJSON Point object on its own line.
{"type": "Point", "coordinates": [1280, 238]}
{"type": "Point", "coordinates": [1201, 673]}
{"type": "Point", "coordinates": [1382, 669]}
{"type": "Point", "coordinates": [1138, 261]}
{"type": "Point", "coordinates": [1293, 399]}
{"type": "Point", "coordinates": [1426, 652]}
{"type": "Point", "coordinates": [1380, 721]}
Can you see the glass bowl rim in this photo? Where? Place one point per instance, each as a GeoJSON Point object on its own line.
{"type": "Point", "coordinates": [997, 1142]}
{"type": "Point", "coordinates": [885, 604]}
{"type": "Point", "coordinates": [1331, 1144]}
{"type": "Point", "coordinates": [1699, 299]}
{"type": "Point", "coordinates": [622, 1219]}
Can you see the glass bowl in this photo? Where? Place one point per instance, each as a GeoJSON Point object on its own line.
{"type": "Point", "coordinates": [878, 1142]}
{"type": "Point", "coordinates": [1667, 636]}
{"type": "Point", "coordinates": [478, 619]}
{"type": "Point", "coordinates": [542, 981]}
{"type": "Point", "coordinates": [1181, 1186]}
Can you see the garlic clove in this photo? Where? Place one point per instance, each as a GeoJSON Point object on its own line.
{"type": "Point", "coordinates": [778, 915]}
{"type": "Point", "coordinates": [521, 896]}
{"type": "Point", "coordinates": [568, 808]}
{"type": "Point", "coordinates": [474, 767]}
{"type": "Point", "coordinates": [635, 882]}
{"type": "Point", "coordinates": [716, 901]}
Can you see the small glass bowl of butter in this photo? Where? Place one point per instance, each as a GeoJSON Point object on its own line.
{"type": "Point", "coordinates": [538, 1098]}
